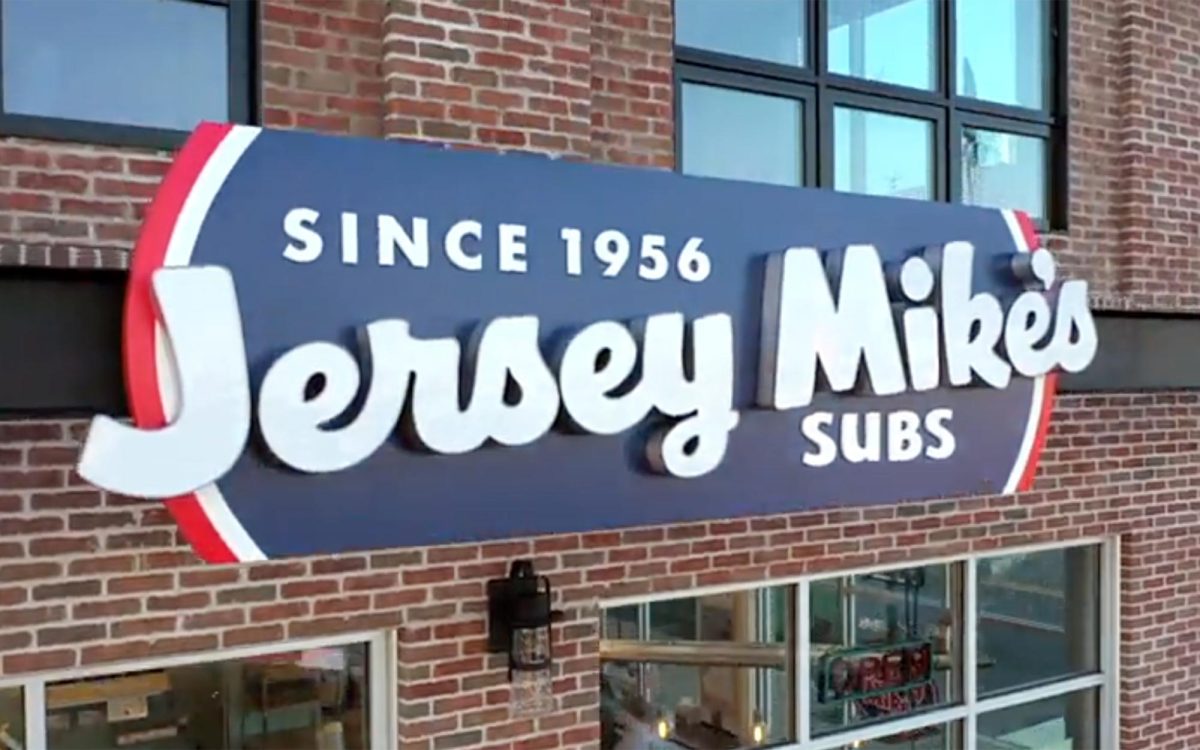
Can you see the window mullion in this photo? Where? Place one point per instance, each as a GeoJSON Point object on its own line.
{"type": "Point", "coordinates": [801, 700]}
{"type": "Point", "coordinates": [1110, 640]}
{"type": "Point", "coordinates": [969, 651]}
{"type": "Point", "coordinates": [34, 698]}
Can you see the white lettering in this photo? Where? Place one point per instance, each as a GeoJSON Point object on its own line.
{"type": "Point", "coordinates": [202, 440]}
{"type": "Point", "coordinates": [970, 353]}
{"type": "Point", "coordinates": [414, 245]}
{"type": "Point", "coordinates": [1074, 340]}
{"type": "Point", "coordinates": [813, 426]}
{"type": "Point", "coordinates": [920, 326]}
{"type": "Point", "coordinates": [349, 238]}
{"type": "Point", "coordinates": [596, 362]}
{"type": "Point", "coordinates": [1028, 323]}
{"type": "Point", "coordinates": [512, 248]}
{"type": "Point", "coordinates": [804, 326]}
{"type": "Point", "coordinates": [454, 245]}
{"type": "Point", "coordinates": [696, 444]}
{"type": "Point", "coordinates": [298, 226]}
{"type": "Point", "coordinates": [903, 436]}
{"type": "Point", "coordinates": [858, 448]}
{"type": "Point", "coordinates": [935, 424]}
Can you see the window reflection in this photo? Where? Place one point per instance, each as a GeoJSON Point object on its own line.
{"type": "Point", "coordinates": [711, 672]}
{"type": "Point", "coordinates": [315, 698]}
{"type": "Point", "coordinates": [740, 136]}
{"type": "Point", "coordinates": [761, 29]}
{"type": "Point", "coordinates": [12, 718]}
{"type": "Point", "coordinates": [158, 64]}
{"type": "Point", "coordinates": [1001, 51]}
{"type": "Point", "coordinates": [883, 645]}
{"type": "Point", "coordinates": [893, 41]}
{"type": "Point", "coordinates": [1039, 616]}
{"type": "Point", "coordinates": [1004, 170]}
{"type": "Point", "coordinates": [1066, 722]}
{"type": "Point", "coordinates": [881, 154]}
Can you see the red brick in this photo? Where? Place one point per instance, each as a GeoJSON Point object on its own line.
{"type": "Point", "coordinates": [143, 626]}
{"type": "Point", "coordinates": [59, 183]}
{"type": "Point", "coordinates": [106, 608]}
{"type": "Point", "coordinates": [286, 611]}
{"type": "Point", "coordinates": [255, 634]}
{"type": "Point", "coordinates": [141, 583]}
{"type": "Point", "coordinates": [222, 618]}
{"type": "Point", "coordinates": [38, 661]}
{"type": "Point", "coordinates": [190, 600]}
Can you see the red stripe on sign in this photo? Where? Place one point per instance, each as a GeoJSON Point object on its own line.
{"type": "Point", "coordinates": [1032, 241]}
{"type": "Point", "coordinates": [140, 352]}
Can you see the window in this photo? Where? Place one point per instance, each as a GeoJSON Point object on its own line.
{"type": "Point", "coordinates": [950, 100]}
{"type": "Point", "coordinates": [994, 652]}
{"type": "Point", "coordinates": [138, 72]}
{"type": "Point", "coordinates": [320, 694]}
{"type": "Point", "coordinates": [12, 717]}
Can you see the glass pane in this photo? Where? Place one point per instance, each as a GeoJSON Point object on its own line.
{"type": "Point", "coordinates": [1001, 51]}
{"type": "Point", "coordinates": [882, 154]}
{"type": "Point", "coordinates": [12, 718]}
{"type": "Point", "coordinates": [712, 675]}
{"type": "Point", "coordinates": [1039, 617]}
{"type": "Point", "coordinates": [1004, 170]}
{"type": "Point", "coordinates": [313, 698]}
{"type": "Point", "coordinates": [621, 622]}
{"type": "Point", "coordinates": [763, 29]}
{"type": "Point", "coordinates": [1068, 722]}
{"type": "Point", "coordinates": [892, 41]}
{"type": "Point", "coordinates": [741, 136]}
{"type": "Point", "coordinates": [160, 64]}
{"type": "Point", "coordinates": [884, 645]}
{"type": "Point", "coordinates": [939, 737]}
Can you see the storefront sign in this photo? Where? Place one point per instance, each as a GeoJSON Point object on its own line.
{"type": "Point", "coordinates": [886, 679]}
{"type": "Point", "coordinates": [337, 344]}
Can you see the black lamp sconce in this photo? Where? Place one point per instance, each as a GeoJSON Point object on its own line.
{"type": "Point", "coordinates": [519, 619]}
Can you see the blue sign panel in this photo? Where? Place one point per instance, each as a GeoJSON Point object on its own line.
{"type": "Point", "coordinates": [337, 344]}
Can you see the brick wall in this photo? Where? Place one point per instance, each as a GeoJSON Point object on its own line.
{"type": "Point", "coordinates": [87, 577]}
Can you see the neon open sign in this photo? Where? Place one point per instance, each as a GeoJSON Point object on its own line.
{"type": "Point", "coordinates": [883, 679]}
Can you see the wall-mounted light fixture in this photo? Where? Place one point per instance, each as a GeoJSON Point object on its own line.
{"type": "Point", "coordinates": [519, 622]}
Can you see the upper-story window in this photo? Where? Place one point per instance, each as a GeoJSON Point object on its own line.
{"type": "Point", "coordinates": [952, 100]}
{"type": "Point", "coordinates": [138, 72]}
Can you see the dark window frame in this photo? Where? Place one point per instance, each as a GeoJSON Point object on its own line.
{"type": "Point", "coordinates": [820, 91]}
{"type": "Point", "coordinates": [242, 32]}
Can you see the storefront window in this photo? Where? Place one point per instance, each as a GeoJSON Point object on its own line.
{"type": "Point", "coordinates": [881, 658]}
{"type": "Point", "coordinates": [1002, 51]}
{"type": "Point", "coordinates": [707, 672]}
{"type": "Point", "coordinates": [883, 645]}
{"type": "Point", "coordinates": [882, 154]}
{"type": "Point", "coordinates": [12, 718]}
{"type": "Point", "coordinates": [892, 42]}
{"type": "Point", "coordinates": [937, 737]}
{"type": "Point", "coordinates": [764, 29]}
{"type": "Point", "coordinates": [1004, 170]}
{"type": "Point", "coordinates": [1039, 617]}
{"type": "Point", "coordinates": [1065, 722]}
{"type": "Point", "coordinates": [739, 135]}
{"type": "Point", "coordinates": [311, 698]}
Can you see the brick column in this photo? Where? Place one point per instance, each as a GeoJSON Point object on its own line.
{"type": "Point", "coordinates": [487, 73]}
